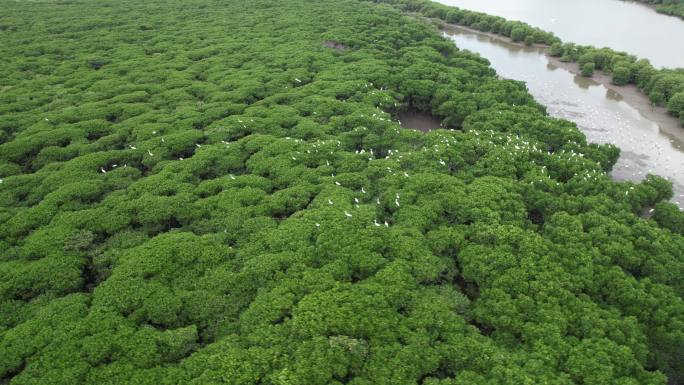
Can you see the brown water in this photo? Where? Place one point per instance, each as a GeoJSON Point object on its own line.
{"type": "Point", "coordinates": [601, 113]}
{"type": "Point", "coordinates": [626, 26]}
{"type": "Point", "coordinates": [419, 120]}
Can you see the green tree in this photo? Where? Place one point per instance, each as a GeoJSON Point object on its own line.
{"type": "Point", "coordinates": [621, 75]}
{"type": "Point", "coordinates": [676, 104]}
{"type": "Point", "coordinates": [588, 69]}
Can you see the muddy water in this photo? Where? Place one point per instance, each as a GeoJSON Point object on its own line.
{"type": "Point", "coordinates": [417, 120]}
{"type": "Point", "coordinates": [621, 25]}
{"type": "Point", "coordinates": [601, 113]}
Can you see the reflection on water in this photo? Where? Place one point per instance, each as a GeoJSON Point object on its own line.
{"type": "Point", "coordinates": [417, 120]}
{"type": "Point", "coordinates": [601, 23]}
{"type": "Point", "coordinates": [599, 112]}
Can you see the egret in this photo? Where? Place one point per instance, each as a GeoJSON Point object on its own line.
{"type": "Point", "coordinates": [330, 202]}
{"type": "Point", "coordinates": [362, 190]}
{"type": "Point", "coordinates": [103, 170]}
{"type": "Point", "coordinates": [318, 224]}
{"type": "Point", "coordinates": [396, 202]}
{"type": "Point", "coordinates": [347, 214]}
{"type": "Point", "coordinates": [386, 224]}
{"type": "Point", "coordinates": [356, 200]}
{"type": "Point", "coordinates": [132, 147]}
{"type": "Point", "coordinates": [232, 176]}
{"type": "Point", "coordinates": [337, 183]}
{"type": "Point", "coordinates": [198, 145]}
{"type": "Point", "coordinates": [150, 152]}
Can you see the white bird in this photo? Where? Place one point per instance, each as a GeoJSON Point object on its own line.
{"type": "Point", "coordinates": [347, 214]}
{"type": "Point", "coordinates": [162, 139]}
{"type": "Point", "coordinates": [198, 145]}
{"type": "Point", "coordinates": [330, 202]}
{"type": "Point", "coordinates": [232, 176]}
{"type": "Point", "coordinates": [386, 224]}
{"type": "Point", "coordinates": [180, 158]}
{"type": "Point", "coordinates": [132, 147]}
{"type": "Point", "coordinates": [443, 163]}
{"type": "Point", "coordinates": [0, 180]}
{"type": "Point", "coordinates": [375, 222]}
{"type": "Point", "coordinates": [154, 132]}
{"type": "Point", "coordinates": [293, 158]}
{"type": "Point", "coordinates": [338, 183]}
{"type": "Point", "coordinates": [362, 190]}
{"type": "Point", "coordinates": [396, 202]}
{"type": "Point", "coordinates": [297, 80]}
{"type": "Point", "coordinates": [356, 200]}
{"type": "Point", "coordinates": [150, 152]}
{"type": "Point", "coordinates": [318, 224]}
{"type": "Point", "coordinates": [103, 170]}
{"type": "Point", "coordinates": [377, 200]}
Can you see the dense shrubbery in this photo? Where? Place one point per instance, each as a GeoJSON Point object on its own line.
{"type": "Point", "coordinates": [670, 7]}
{"type": "Point", "coordinates": [206, 192]}
{"type": "Point", "coordinates": [660, 85]}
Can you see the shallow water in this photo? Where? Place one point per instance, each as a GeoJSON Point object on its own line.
{"type": "Point", "coordinates": [418, 120]}
{"type": "Point", "coordinates": [599, 112]}
{"type": "Point", "coordinates": [625, 26]}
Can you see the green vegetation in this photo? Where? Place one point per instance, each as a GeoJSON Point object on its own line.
{"type": "Point", "coordinates": [669, 7]}
{"type": "Point", "coordinates": [661, 85]}
{"type": "Point", "coordinates": [205, 192]}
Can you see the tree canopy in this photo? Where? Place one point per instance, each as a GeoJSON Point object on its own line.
{"type": "Point", "coordinates": [203, 192]}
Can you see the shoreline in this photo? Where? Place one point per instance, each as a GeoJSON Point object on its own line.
{"type": "Point", "coordinates": [630, 93]}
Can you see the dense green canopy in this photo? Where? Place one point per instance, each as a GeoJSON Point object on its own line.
{"type": "Point", "coordinates": [670, 7]}
{"type": "Point", "coordinates": [206, 192]}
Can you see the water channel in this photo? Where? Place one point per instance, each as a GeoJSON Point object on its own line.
{"type": "Point", "coordinates": [600, 112]}
{"type": "Point", "coordinates": [621, 25]}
